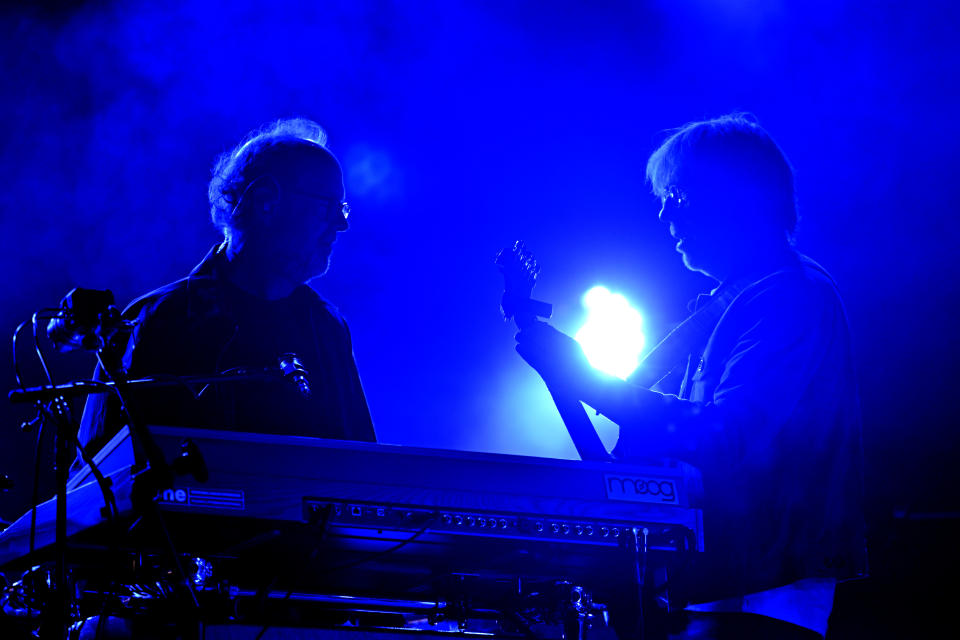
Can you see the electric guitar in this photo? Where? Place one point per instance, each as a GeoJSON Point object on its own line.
{"type": "Point", "coordinates": [520, 273]}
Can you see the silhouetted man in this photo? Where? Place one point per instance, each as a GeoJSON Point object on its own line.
{"type": "Point", "coordinates": [278, 198]}
{"type": "Point", "coordinates": [757, 389]}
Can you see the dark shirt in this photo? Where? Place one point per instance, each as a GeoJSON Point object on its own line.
{"type": "Point", "coordinates": [769, 411]}
{"type": "Point", "coordinates": [203, 325]}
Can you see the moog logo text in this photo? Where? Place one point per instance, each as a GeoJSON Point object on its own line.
{"type": "Point", "coordinates": [641, 489]}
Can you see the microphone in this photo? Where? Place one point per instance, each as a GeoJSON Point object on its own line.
{"type": "Point", "coordinates": [292, 369]}
{"type": "Point", "coordinates": [87, 320]}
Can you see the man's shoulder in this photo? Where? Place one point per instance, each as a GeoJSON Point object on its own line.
{"type": "Point", "coordinates": [321, 308]}
{"type": "Point", "coordinates": [180, 291]}
{"type": "Point", "coordinates": [799, 300]}
{"type": "Point", "coordinates": [201, 280]}
{"type": "Point", "coordinates": [802, 286]}
{"type": "Point", "coordinates": [168, 295]}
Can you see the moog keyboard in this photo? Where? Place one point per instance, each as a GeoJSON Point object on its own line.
{"type": "Point", "coordinates": [366, 527]}
{"type": "Point", "coordinates": [364, 488]}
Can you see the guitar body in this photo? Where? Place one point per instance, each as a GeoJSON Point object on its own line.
{"type": "Point", "coordinates": [520, 272]}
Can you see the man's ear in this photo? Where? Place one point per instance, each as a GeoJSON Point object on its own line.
{"type": "Point", "coordinates": [264, 193]}
{"type": "Point", "coordinates": [259, 197]}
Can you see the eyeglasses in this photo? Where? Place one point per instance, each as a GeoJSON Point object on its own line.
{"type": "Point", "coordinates": [674, 198]}
{"type": "Point", "coordinates": [344, 206]}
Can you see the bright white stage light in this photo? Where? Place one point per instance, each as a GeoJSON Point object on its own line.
{"type": "Point", "coordinates": [612, 337]}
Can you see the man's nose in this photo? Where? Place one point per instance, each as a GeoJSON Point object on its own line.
{"type": "Point", "coordinates": [665, 215]}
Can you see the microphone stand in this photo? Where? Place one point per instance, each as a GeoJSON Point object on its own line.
{"type": "Point", "coordinates": [60, 617]}
{"type": "Point", "coordinates": [52, 402]}
{"type": "Point", "coordinates": [88, 319]}
{"type": "Point", "coordinates": [45, 393]}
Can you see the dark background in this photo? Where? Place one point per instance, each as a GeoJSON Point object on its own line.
{"type": "Point", "coordinates": [463, 126]}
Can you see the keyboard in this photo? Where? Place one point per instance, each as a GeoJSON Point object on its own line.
{"type": "Point", "coordinates": [369, 497]}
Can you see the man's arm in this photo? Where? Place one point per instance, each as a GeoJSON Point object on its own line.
{"type": "Point", "coordinates": [784, 332]}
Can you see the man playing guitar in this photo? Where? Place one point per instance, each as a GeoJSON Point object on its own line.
{"type": "Point", "coordinates": [757, 389]}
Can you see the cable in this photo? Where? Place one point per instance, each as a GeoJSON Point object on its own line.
{"type": "Point", "coordinates": [180, 381]}
{"type": "Point", "coordinates": [176, 557]}
{"type": "Point", "coordinates": [379, 554]}
{"type": "Point", "coordinates": [109, 499]}
{"type": "Point", "coordinates": [61, 416]}
{"type": "Point", "coordinates": [357, 563]}
{"type": "Point", "coordinates": [105, 489]}
{"type": "Point", "coordinates": [16, 367]}
{"type": "Point", "coordinates": [36, 346]}
{"type": "Point", "coordinates": [640, 576]}
{"type": "Point", "coordinates": [176, 561]}
{"type": "Point", "coordinates": [196, 396]}
{"type": "Point", "coordinates": [320, 524]}
{"type": "Point", "coordinates": [16, 332]}
{"type": "Point", "coordinates": [115, 388]}
{"type": "Point", "coordinates": [35, 495]}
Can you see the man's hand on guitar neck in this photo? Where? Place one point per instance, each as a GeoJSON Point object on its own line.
{"type": "Point", "coordinates": [561, 362]}
{"type": "Point", "coordinates": [558, 358]}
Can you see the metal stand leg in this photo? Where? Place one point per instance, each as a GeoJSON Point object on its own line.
{"type": "Point", "coordinates": [638, 547]}
{"type": "Point", "coordinates": [60, 606]}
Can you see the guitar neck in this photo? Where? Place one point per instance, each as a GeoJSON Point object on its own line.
{"type": "Point", "coordinates": [578, 424]}
{"type": "Point", "coordinates": [575, 418]}
{"type": "Point", "coordinates": [520, 272]}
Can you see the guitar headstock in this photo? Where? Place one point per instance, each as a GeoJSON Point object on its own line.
{"type": "Point", "coordinates": [520, 273]}
{"type": "Point", "coordinates": [520, 270]}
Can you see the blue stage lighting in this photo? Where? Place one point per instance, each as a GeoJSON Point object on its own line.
{"type": "Point", "coordinates": [612, 336]}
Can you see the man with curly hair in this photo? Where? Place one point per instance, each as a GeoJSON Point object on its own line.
{"type": "Point", "coordinates": [278, 199]}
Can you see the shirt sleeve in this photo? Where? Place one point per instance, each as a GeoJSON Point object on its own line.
{"type": "Point", "coordinates": [359, 423]}
{"type": "Point", "coordinates": [781, 333]}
